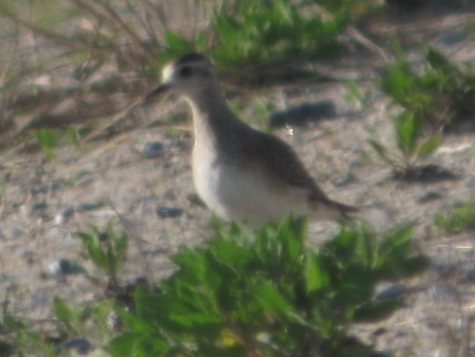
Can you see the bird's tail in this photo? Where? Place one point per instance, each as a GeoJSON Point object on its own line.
{"type": "Point", "coordinates": [334, 211]}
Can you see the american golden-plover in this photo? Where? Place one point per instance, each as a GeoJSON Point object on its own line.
{"type": "Point", "coordinates": [240, 172]}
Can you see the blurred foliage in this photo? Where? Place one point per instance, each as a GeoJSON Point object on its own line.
{"type": "Point", "coordinates": [106, 249]}
{"type": "Point", "coordinates": [73, 325]}
{"type": "Point", "coordinates": [240, 293]}
{"type": "Point", "coordinates": [272, 32]}
{"type": "Point", "coordinates": [411, 143]}
{"type": "Point", "coordinates": [458, 219]}
{"type": "Point", "coordinates": [433, 98]}
{"type": "Point", "coordinates": [76, 61]}
{"type": "Point", "coordinates": [254, 35]}
{"type": "Point", "coordinates": [268, 293]}
{"type": "Point", "coordinates": [438, 94]}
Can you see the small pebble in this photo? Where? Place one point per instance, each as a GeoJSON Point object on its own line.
{"type": "Point", "coordinates": [391, 292]}
{"type": "Point", "coordinates": [90, 206]}
{"type": "Point", "coordinates": [303, 114]}
{"type": "Point", "coordinates": [430, 196]}
{"type": "Point", "coordinates": [79, 346]}
{"type": "Point", "coordinates": [40, 206]}
{"type": "Point", "coordinates": [427, 174]}
{"type": "Point", "coordinates": [169, 212]}
{"type": "Point", "coordinates": [153, 149]}
{"type": "Point", "coordinates": [63, 216]}
{"type": "Point", "coordinates": [64, 267]}
{"type": "Point", "coordinates": [349, 178]}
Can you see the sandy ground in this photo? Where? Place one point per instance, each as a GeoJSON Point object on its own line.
{"type": "Point", "coordinates": [43, 203]}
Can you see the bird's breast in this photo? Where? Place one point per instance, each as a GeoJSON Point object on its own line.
{"type": "Point", "coordinates": [238, 192]}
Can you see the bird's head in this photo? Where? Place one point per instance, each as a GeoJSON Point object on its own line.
{"type": "Point", "coordinates": [190, 75]}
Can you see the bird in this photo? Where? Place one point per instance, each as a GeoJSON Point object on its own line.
{"type": "Point", "coordinates": [241, 173]}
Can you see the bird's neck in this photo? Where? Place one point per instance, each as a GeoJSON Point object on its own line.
{"type": "Point", "coordinates": [214, 122]}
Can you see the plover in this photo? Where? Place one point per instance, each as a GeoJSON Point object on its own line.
{"type": "Point", "coordinates": [239, 172]}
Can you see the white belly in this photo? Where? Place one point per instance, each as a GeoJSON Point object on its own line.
{"type": "Point", "coordinates": [237, 194]}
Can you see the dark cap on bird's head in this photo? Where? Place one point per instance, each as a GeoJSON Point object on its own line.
{"type": "Point", "coordinates": [186, 75]}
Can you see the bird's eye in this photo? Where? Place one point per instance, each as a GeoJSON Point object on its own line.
{"type": "Point", "coordinates": [185, 71]}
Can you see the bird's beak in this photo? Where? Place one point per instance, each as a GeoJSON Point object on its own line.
{"type": "Point", "coordinates": [157, 91]}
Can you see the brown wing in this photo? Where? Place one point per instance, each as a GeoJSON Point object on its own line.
{"type": "Point", "coordinates": [257, 149]}
{"type": "Point", "coordinates": [280, 160]}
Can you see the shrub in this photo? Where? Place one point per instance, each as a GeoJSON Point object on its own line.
{"type": "Point", "coordinates": [437, 96]}
{"type": "Point", "coordinates": [268, 293]}
{"type": "Point", "coordinates": [430, 101]}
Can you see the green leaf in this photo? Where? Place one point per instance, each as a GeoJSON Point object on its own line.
{"type": "Point", "coordinates": [381, 150]}
{"type": "Point", "coordinates": [291, 233]}
{"type": "Point", "coordinates": [458, 219]}
{"type": "Point", "coordinates": [73, 135]}
{"type": "Point", "coordinates": [61, 310]}
{"type": "Point", "coordinates": [356, 287]}
{"type": "Point", "coordinates": [399, 81]}
{"type": "Point", "coordinates": [229, 253]}
{"type": "Point", "coordinates": [108, 256]}
{"type": "Point", "coordinates": [315, 275]}
{"type": "Point", "coordinates": [46, 138]}
{"type": "Point", "coordinates": [177, 42]}
{"type": "Point", "coordinates": [137, 345]}
{"type": "Point", "coordinates": [124, 344]}
{"type": "Point", "coordinates": [272, 300]}
{"type": "Point", "coordinates": [195, 319]}
{"type": "Point", "coordinates": [12, 323]}
{"type": "Point", "coordinates": [135, 322]}
{"type": "Point", "coordinates": [375, 311]}
{"type": "Point", "coordinates": [97, 255]}
{"type": "Point", "coordinates": [6, 349]}
{"type": "Point", "coordinates": [378, 147]}
{"type": "Point", "coordinates": [67, 315]}
{"type": "Point", "coordinates": [438, 61]}
{"type": "Point", "coordinates": [407, 127]}
{"type": "Point", "coordinates": [429, 146]}
{"type": "Point", "coordinates": [397, 242]}
{"type": "Point", "coordinates": [414, 265]}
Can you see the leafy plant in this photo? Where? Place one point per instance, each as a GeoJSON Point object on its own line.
{"type": "Point", "coordinates": [74, 324]}
{"type": "Point", "coordinates": [267, 35]}
{"type": "Point", "coordinates": [46, 138]}
{"type": "Point", "coordinates": [439, 95]}
{"type": "Point", "coordinates": [430, 101]}
{"type": "Point", "coordinates": [107, 249]}
{"type": "Point", "coordinates": [110, 49]}
{"type": "Point", "coordinates": [264, 32]}
{"type": "Point", "coordinates": [17, 337]}
{"type": "Point", "coordinates": [88, 321]}
{"type": "Point", "coordinates": [459, 219]}
{"type": "Point", "coordinates": [411, 143]}
{"type": "Point", "coordinates": [268, 293]}
{"type": "Point", "coordinates": [80, 38]}
{"type": "Point", "coordinates": [241, 293]}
